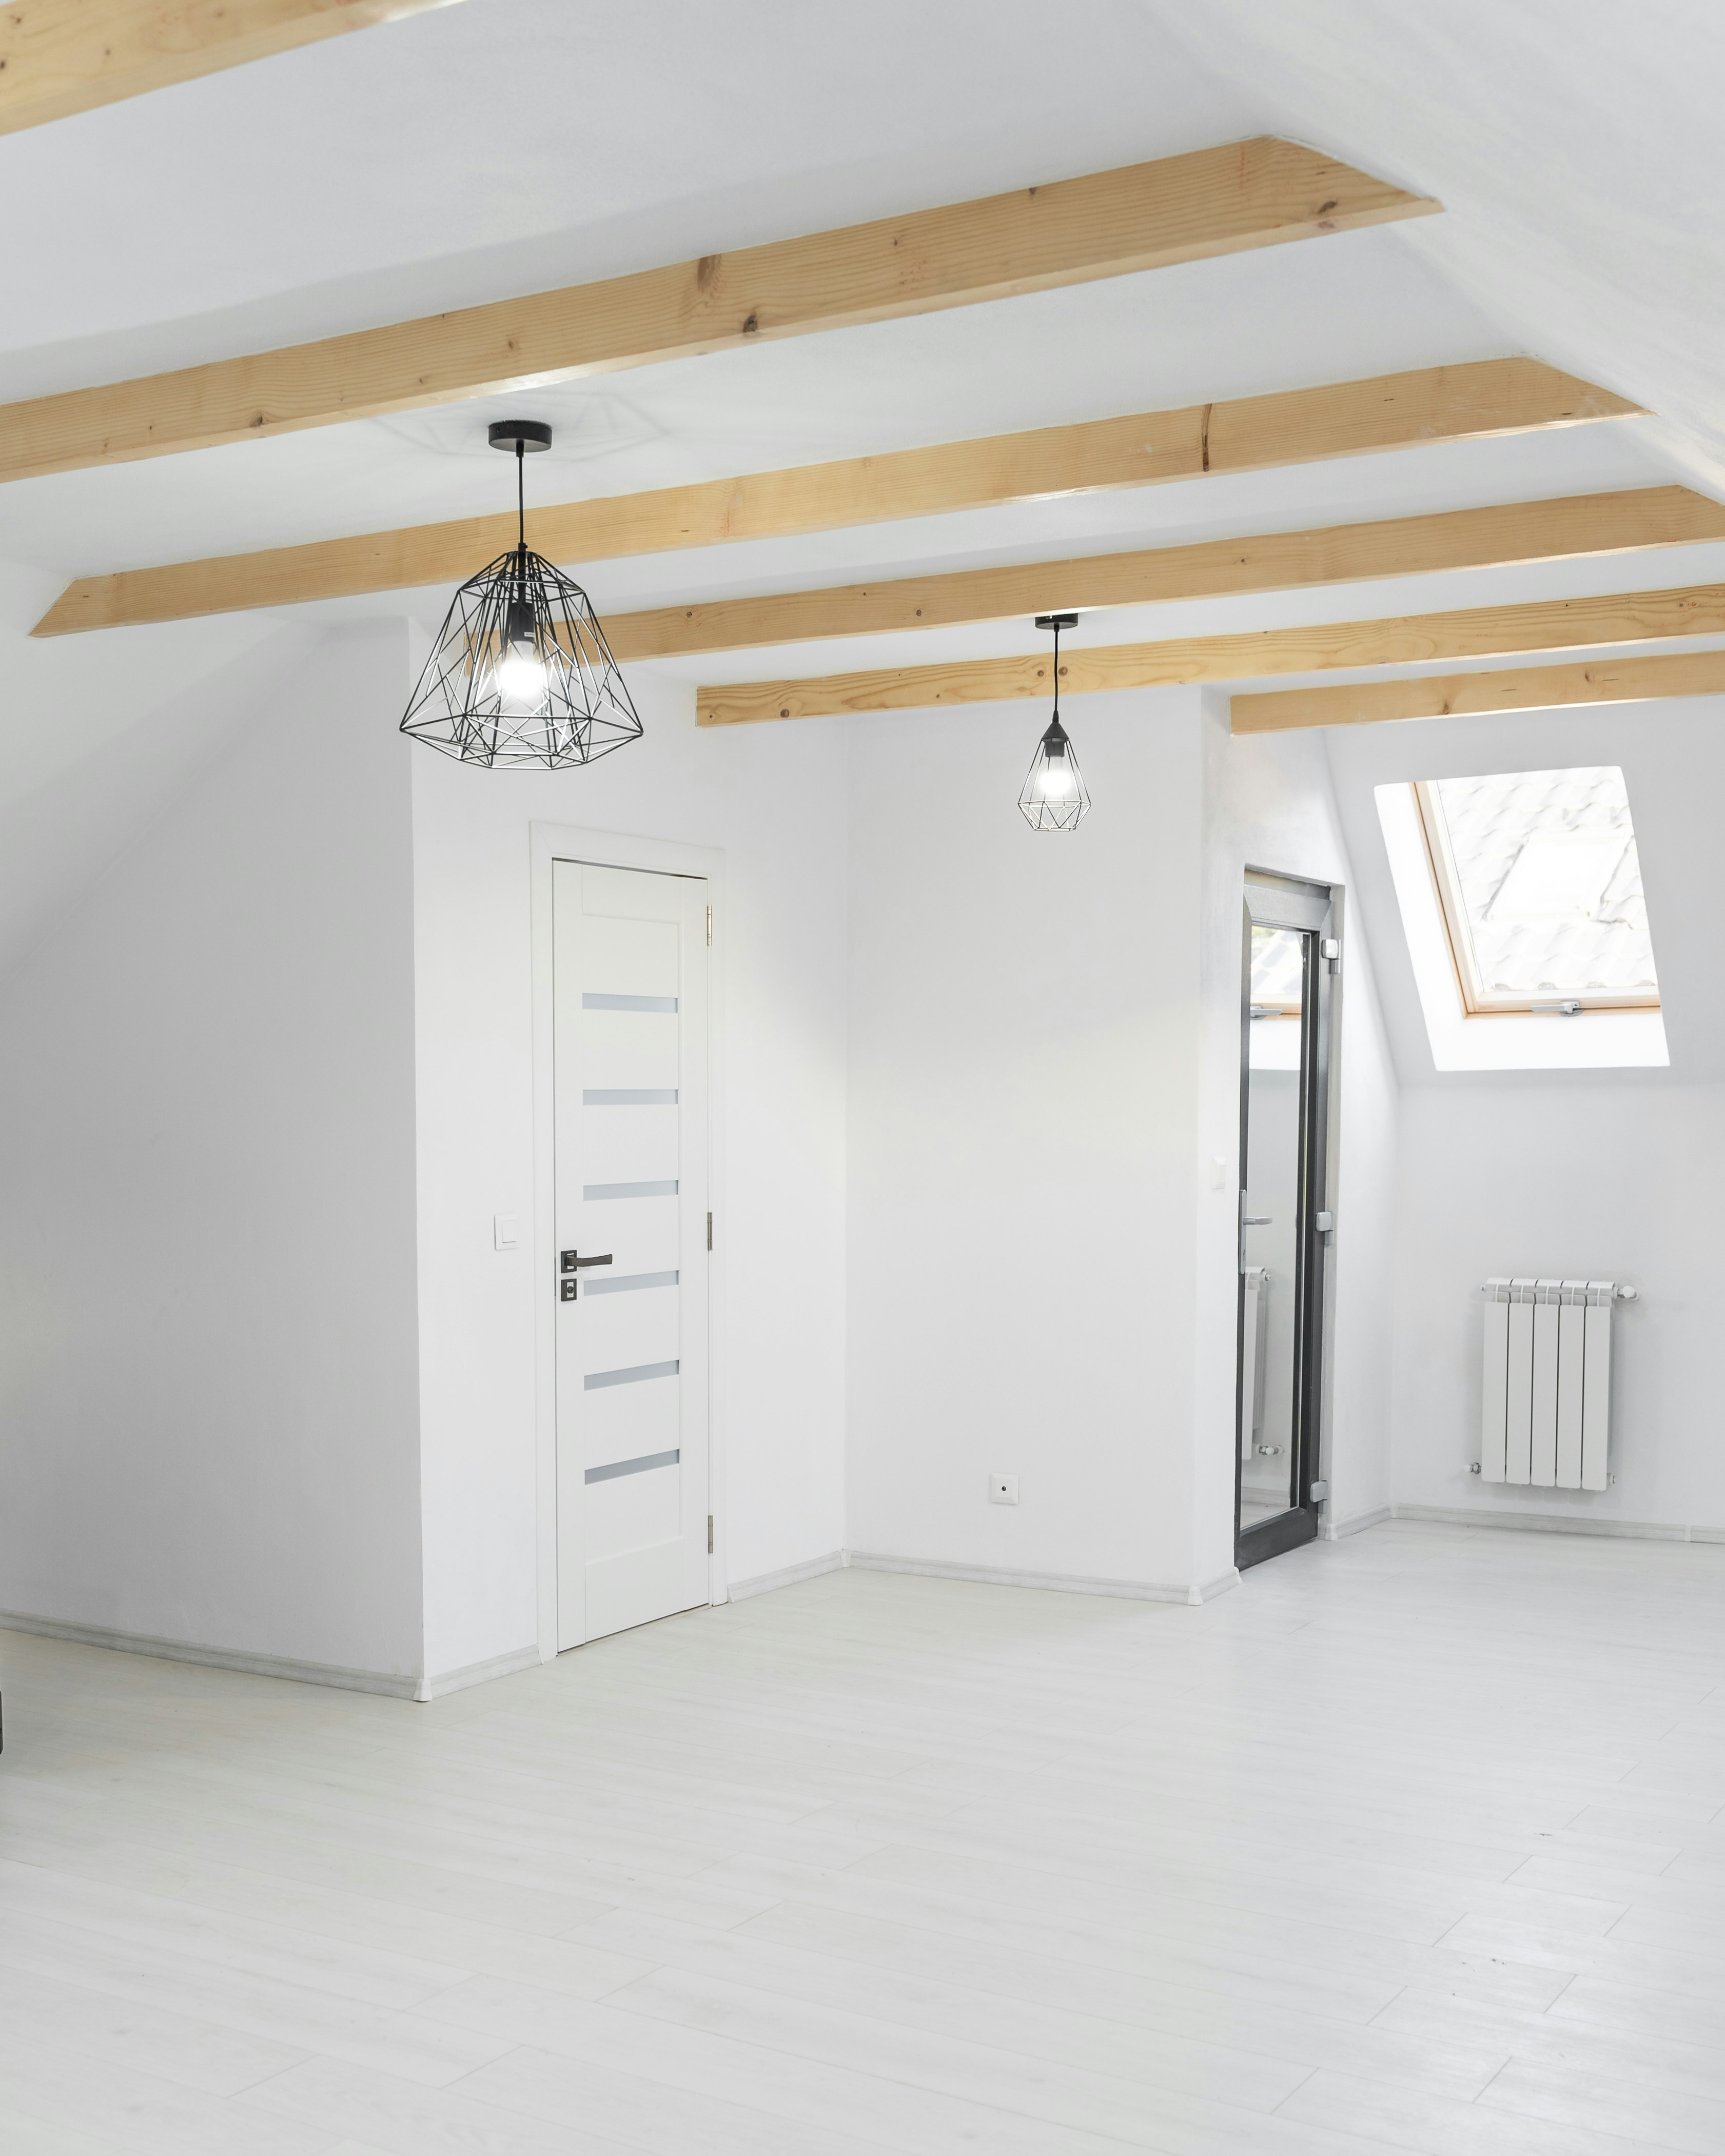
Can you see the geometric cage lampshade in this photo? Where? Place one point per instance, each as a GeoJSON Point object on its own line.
{"type": "Point", "coordinates": [520, 673]}
{"type": "Point", "coordinates": [1054, 796]}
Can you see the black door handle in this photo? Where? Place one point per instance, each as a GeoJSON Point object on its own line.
{"type": "Point", "coordinates": [574, 1264]}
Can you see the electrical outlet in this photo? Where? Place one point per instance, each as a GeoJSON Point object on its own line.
{"type": "Point", "coordinates": [1003, 1489]}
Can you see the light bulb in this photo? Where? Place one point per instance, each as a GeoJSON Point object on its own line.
{"type": "Point", "coordinates": [520, 676]}
{"type": "Point", "coordinates": [1055, 782]}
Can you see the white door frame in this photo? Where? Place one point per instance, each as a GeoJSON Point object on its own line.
{"type": "Point", "coordinates": [616, 850]}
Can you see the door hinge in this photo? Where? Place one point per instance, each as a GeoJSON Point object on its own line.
{"type": "Point", "coordinates": [1331, 952]}
{"type": "Point", "coordinates": [709, 1231]}
{"type": "Point", "coordinates": [709, 925]}
{"type": "Point", "coordinates": [709, 1534]}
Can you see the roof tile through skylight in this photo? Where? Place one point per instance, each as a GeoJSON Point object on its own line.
{"type": "Point", "coordinates": [1549, 884]}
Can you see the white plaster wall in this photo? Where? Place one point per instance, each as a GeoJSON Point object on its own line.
{"type": "Point", "coordinates": [773, 799]}
{"type": "Point", "coordinates": [207, 1398]}
{"type": "Point", "coordinates": [1269, 803]}
{"type": "Point", "coordinates": [1590, 1180]}
{"type": "Point", "coordinates": [1045, 1061]}
{"type": "Point", "coordinates": [1022, 1075]}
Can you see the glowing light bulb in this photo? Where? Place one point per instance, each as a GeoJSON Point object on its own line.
{"type": "Point", "coordinates": [1056, 779]}
{"type": "Point", "coordinates": [520, 676]}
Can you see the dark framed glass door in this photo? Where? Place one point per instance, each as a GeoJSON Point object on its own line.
{"type": "Point", "coordinates": [1286, 971]}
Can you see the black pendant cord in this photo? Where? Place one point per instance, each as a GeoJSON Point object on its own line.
{"type": "Point", "coordinates": [521, 496]}
{"type": "Point", "coordinates": [1057, 670]}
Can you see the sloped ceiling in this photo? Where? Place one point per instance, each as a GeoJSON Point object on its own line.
{"type": "Point", "coordinates": [1576, 147]}
{"type": "Point", "coordinates": [505, 145]}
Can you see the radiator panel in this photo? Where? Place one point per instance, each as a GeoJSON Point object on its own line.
{"type": "Point", "coordinates": [1572, 1339]}
{"type": "Point", "coordinates": [1519, 1433]}
{"type": "Point", "coordinates": [1542, 1438]}
{"type": "Point", "coordinates": [1494, 1381]}
{"type": "Point", "coordinates": [1596, 1401]}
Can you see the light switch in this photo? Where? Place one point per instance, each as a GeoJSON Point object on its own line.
{"type": "Point", "coordinates": [505, 1231]}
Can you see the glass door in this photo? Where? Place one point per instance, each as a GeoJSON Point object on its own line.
{"type": "Point", "coordinates": [1283, 1226]}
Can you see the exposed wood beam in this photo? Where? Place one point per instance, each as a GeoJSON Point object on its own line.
{"type": "Point", "coordinates": [1468, 403]}
{"type": "Point", "coordinates": [1214, 568]}
{"type": "Point", "coordinates": [1472, 633]}
{"type": "Point", "coordinates": [58, 57]}
{"type": "Point", "coordinates": [1179, 209]}
{"type": "Point", "coordinates": [1627, 681]}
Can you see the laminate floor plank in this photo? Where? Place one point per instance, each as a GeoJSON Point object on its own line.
{"type": "Point", "coordinates": [1412, 1845]}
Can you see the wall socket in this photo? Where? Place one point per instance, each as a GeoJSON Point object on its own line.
{"type": "Point", "coordinates": [1003, 1489]}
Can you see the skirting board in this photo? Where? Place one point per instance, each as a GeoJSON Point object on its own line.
{"type": "Point", "coordinates": [1059, 1583]}
{"type": "Point", "coordinates": [1336, 1531]}
{"type": "Point", "coordinates": [499, 1665]}
{"type": "Point", "coordinates": [216, 1658]}
{"type": "Point", "coordinates": [764, 1583]}
{"type": "Point", "coordinates": [1558, 1523]}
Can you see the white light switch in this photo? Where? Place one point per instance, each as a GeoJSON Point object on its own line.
{"type": "Point", "coordinates": [505, 1230]}
{"type": "Point", "coordinates": [1003, 1489]}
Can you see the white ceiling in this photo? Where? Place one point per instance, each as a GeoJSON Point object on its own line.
{"type": "Point", "coordinates": [504, 146]}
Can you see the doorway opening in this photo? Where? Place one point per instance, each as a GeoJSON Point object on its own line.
{"type": "Point", "coordinates": [1289, 956]}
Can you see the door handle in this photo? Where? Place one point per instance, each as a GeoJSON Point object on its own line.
{"type": "Point", "coordinates": [570, 1264]}
{"type": "Point", "coordinates": [1257, 1220]}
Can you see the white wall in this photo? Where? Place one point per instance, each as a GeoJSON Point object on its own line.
{"type": "Point", "coordinates": [1023, 1101]}
{"type": "Point", "coordinates": [1600, 1182]}
{"type": "Point", "coordinates": [774, 799]}
{"type": "Point", "coordinates": [1044, 1059]}
{"type": "Point", "coordinates": [208, 1419]}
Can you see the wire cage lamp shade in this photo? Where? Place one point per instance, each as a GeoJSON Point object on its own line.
{"type": "Point", "coordinates": [520, 673]}
{"type": "Point", "coordinates": [1054, 796]}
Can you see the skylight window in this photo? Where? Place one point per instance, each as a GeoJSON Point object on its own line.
{"type": "Point", "coordinates": [1540, 884]}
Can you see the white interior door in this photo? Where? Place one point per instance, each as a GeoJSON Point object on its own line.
{"type": "Point", "coordinates": [631, 988]}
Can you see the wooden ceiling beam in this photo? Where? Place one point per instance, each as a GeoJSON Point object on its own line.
{"type": "Point", "coordinates": [1636, 678]}
{"type": "Point", "coordinates": [1216, 568]}
{"type": "Point", "coordinates": [58, 57]}
{"type": "Point", "coordinates": [1471, 633]}
{"type": "Point", "coordinates": [1207, 202]}
{"type": "Point", "coordinates": [1468, 403]}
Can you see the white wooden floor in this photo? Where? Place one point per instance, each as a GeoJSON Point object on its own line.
{"type": "Point", "coordinates": [1415, 1842]}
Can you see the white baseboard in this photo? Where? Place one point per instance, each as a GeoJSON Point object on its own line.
{"type": "Point", "coordinates": [216, 1658]}
{"type": "Point", "coordinates": [1336, 1531]}
{"type": "Point", "coordinates": [476, 1673]}
{"type": "Point", "coordinates": [1558, 1523]}
{"type": "Point", "coordinates": [764, 1582]}
{"type": "Point", "coordinates": [1058, 1583]}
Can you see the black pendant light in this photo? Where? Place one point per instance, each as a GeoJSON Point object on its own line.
{"type": "Point", "coordinates": [521, 673]}
{"type": "Point", "coordinates": [1055, 798]}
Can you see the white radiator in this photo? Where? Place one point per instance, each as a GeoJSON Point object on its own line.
{"type": "Point", "coordinates": [1545, 1402]}
{"type": "Point", "coordinates": [1253, 1360]}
